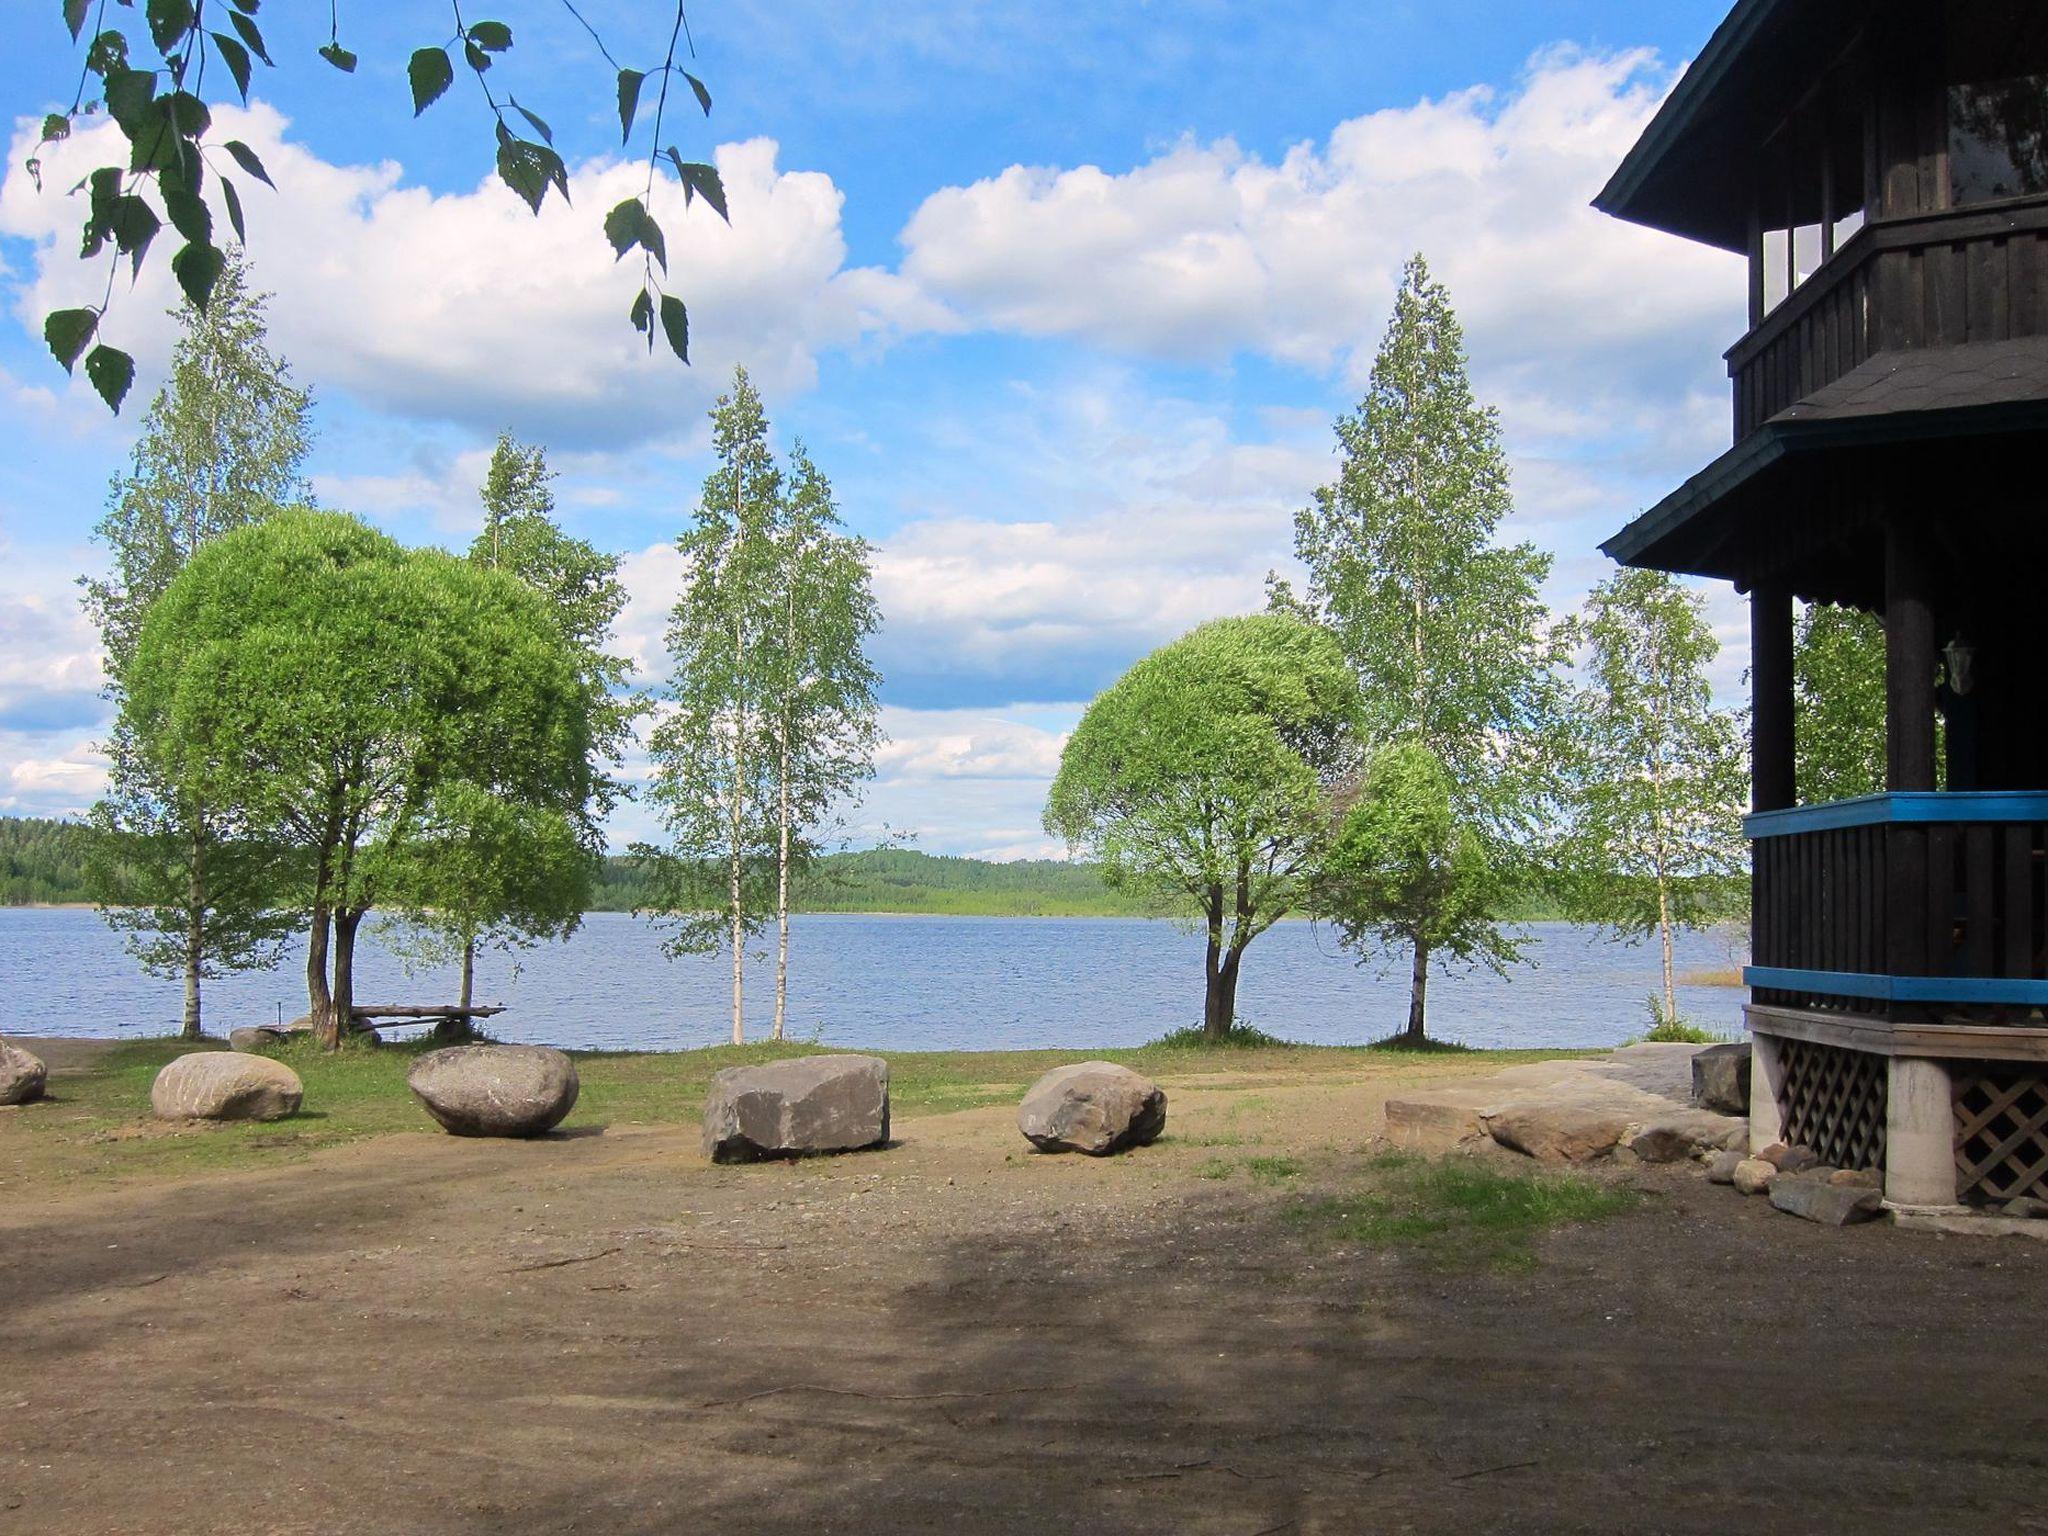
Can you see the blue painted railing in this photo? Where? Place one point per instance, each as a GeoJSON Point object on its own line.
{"type": "Point", "coordinates": [1903, 901]}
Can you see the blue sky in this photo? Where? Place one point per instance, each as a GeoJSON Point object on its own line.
{"type": "Point", "coordinates": [1063, 298]}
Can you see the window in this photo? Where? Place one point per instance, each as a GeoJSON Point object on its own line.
{"type": "Point", "coordinates": [1814, 189]}
{"type": "Point", "coordinates": [1997, 101]}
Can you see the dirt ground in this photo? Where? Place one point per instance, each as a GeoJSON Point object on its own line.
{"type": "Point", "coordinates": [601, 1333]}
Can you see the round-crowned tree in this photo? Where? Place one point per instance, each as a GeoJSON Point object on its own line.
{"type": "Point", "coordinates": [1204, 775]}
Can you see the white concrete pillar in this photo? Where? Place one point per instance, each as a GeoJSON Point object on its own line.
{"type": "Point", "coordinates": [1920, 1135]}
{"type": "Point", "coordinates": [1766, 1078]}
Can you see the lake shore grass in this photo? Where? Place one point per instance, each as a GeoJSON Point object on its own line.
{"type": "Point", "coordinates": [96, 1124]}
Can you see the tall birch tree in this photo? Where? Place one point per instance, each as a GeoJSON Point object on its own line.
{"type": "Point", "coordinates": [1838, 703]}
{"type": "Point", "coordinates": [713, 742]}
{"type": "Point", "coordinates": [222, 447]}
{"type": "Point", "coordinates": [1445, 629]}
{"type": "Point", "coordinates": [1654, 830]}
{"type": "Point", "coordinates": [822, 705]}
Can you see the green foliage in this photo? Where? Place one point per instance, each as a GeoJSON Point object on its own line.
{"type": "Point", "coordinates": [1458, 1212]}
{"type": "Point", "coordinates": [1838, 703]}
{"type": "Point", "coordinates": [158, 106]}
{"type": "Point", "coordinates": [42, 862]}
{"type": "Point", "coordinates": [1239, 1037]}
{"type": "Point", "coordinates": [341, 693]}
{"type": "Point", "coordinates": [1655, 833]}
{"type": "Point", "coordinates": [1446, 631]}
{"type": "Point", "coordinates": [1202, 776]}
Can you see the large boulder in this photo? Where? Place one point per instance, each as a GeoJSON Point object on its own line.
{"type": "Point", "coordinates": [792, 1108]}
{"type": "Point", "coordinates": [1720, 1078]}
{"type": "Point", "coordinates": [1832, 1205]}
{"type": "Point", "coordinates": [1438, 1120]}
{"type": "Point", "coordinates": [259, 1037]}
{"type": "Point", "coordinates": [1094, 1107]}
{"type": "Point", "coordinates": [1686, 1133]}
{"type": "Point", "coordinates": [495, 1090]}
{"type": "Point", "coordinates": [1561, 1130]}
{"type": "Point", "coordinates": [22, 1076]}
{"type": "Point", "coordinates": [226, 1085]}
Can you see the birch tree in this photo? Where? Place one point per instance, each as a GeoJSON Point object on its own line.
{"type": "Point", "coordinates": [1654, 830]}
{"type": "Point", "coordinates": [822, 706]}
{"type": "Point", "coordinates": [221, 447]}
{"type": "Point", "coordinates": [1445, 629]}
{"type": "Point", "coordinates": [713, 742]}
{"type": "Point", "coordinates": [1838, 703]}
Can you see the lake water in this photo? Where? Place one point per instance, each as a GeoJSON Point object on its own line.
{"type": "Point", "coordinates": [895, 983]}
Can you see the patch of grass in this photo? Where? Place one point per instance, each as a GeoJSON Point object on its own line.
{"type": "Point", "coordinates": [1239, 1037]}
{"type": "Point", "coordinates": [1426, 1046]}
{"type": "Point", "coordinates": [1273, 1170]}
{"type": "Point", "coordinates": [1712, 976]}
{"type": "Point", "coordinates": [1676, 1032]}
{"type": "Point", "coordinates": [1457, 1212]}
{"type": "Point", "coordinates": [1216, 1168]}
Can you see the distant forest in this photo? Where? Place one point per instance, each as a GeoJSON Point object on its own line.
{"type": "Point", "coordinates": [43, 862]}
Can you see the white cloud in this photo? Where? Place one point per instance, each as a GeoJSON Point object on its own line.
{"type": "Point", "coordinates": [465, 307]}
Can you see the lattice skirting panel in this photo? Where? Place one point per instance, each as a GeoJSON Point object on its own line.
{"type": "Point", "coordinates": [2001, 1131]}
{"type": "Point", "coordinates": [1833, 1100]}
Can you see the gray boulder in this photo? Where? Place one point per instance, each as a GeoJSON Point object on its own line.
{"type": "Point", "coordinates": [1722, 1169]}
{"type": "Point", "coordinates": [1832, 1205]}
{"type": "Point", "coordinates": [1793, 1159]}
{"type": "Point", "coordinates": [1685, 1133]}
{"type": "Point", "coordinates": [793, 1108]}
{"type": "Point", "coordinates": [22, 1076]}
{"type": "Point", "coordinates": [1720, 1078]}
{"type": "Point", "coordinates": [1094, 1107]}
{"type": "Point", "coordinates": [226, 1085]}
{"type": "Point", "coordinates": [495, 1090]}
{"type": "Point", "coordinates": [258, 1038]}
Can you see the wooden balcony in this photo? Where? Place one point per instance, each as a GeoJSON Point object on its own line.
{"type": "Point", "coordinates": [1937, 280]}
{"type": "Point", "coordinates": [1912, 909]}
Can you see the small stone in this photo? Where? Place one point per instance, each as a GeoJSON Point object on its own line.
{"type": "Point", "coordinates": [1753, 1175]}
{"type": "Point", "coordinates": [808, 1104]}
{"type": "Point", "coordinates": [1858, 1178]}
{"type": "Point", "coordinates": [1559, 1131]}
{"type": "Point", "coordinates": [1722, 1169]}
{"type": "Point", "coordinates": [22, 1076]}
{"type": "Point", "coordinates": [258, 1038]}
{"type": "Point", "coordinates": [1094, 1107]}
{"type": "Point", "coordinates": [2026, 1207]}
{"type": "Point", "coordinates": [226, 1085]}
{"type": "Point", "coordinates": [1720, 1078]}
{"type": "Point", "coordinates": [1832, 1205]}
{"type": "Point", "coordinates": [1794, 1159]}
{"type": "Point", "coordinates": [495, 1090]}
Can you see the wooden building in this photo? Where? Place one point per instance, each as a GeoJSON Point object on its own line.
{"type": "Point", "coordinates": [1883, 164]}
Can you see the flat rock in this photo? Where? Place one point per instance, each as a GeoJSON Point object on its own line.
{"type": "Point", "coordinates": [1437, 1120]}
{"type": "Point", "coordinates": [1722, 1169]}
{"type": "Point", "coordinates": [1832, 1205]}
{"type": "Point", "coordinates": [1858, 1178]}
{"type": "Point", "coordinates": [792, 1108]}
{"type": "Point", "coordinates": [257, 1038]}
{"type": "Point", "coordinates": [22, 1076]}
{"type": "Point", "coordinates": [495, 1090]}
{"type": "Point", "coordinates": [1094, 1107]}
{"type": "Point", "coordinates": [1753, 1176]}
{"type": "Point", "coordinates": [1561, 1130]}
{"type": "Point", "coordinates": [1720, 1078]}
{"type": "Point", "coordinates": [226, 1085]}
{"type": "Point", "coordinates": [1676, 1137]}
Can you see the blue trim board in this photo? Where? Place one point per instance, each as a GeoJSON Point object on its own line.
{"type": "Point", "coordinates": [1899, 989]}
{"type": "Point", "coordinates": [1916, 808]}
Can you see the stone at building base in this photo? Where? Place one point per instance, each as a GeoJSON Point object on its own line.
{"type": "Point", "coordinates": [1753, 1176]}
{"type": "Point", "coordinates": [1720, 1078]}
{"type": "Point", "coordinates": [1794, 1159]}
{"type": "Point", "coordinates": [810, 1104]}
{"type": "Point", "coordinates": [226, 1085]}
{"type": "Point", "coordinates": [23, 1077]}
{"type": "Point", "coordinates": [1858, 1178]}
{"type": "Point", "coordinates": [1689, 1133]}
{"type": "Point", "coordinates": [1961, 1221]}
{"type": "Point", "coordinates": [1721, 1170]}
{"type": "Point", "coordinates": [1832, 1205]}
{"type": "Point", "coordinates": [2026, 1208]}
{"type": "Point", "coordinates": [1094, 1107]}
{"type": "Point", "coordinates": [495, 1090]}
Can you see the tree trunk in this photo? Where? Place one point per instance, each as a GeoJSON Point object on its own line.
{"type": "Point", "coordinates": [345, 925]}
{"type": "Point", "coordinates": [195, 936]}
{"type": "Point", "coordinates": [468, 969]}
{"type": "Point", "coordinates": [1664, 934]}
{"type": "Point", "coordinates": [319, 999]}
{"type": "Point", "coordinates": [461, 1030]}
{"type": "Point", "coordinates": [782, 889]}
{"type": "Point", "coordinates": [1417, 1033]}
{"type": "Point", "coordinates": [1219, 1000]}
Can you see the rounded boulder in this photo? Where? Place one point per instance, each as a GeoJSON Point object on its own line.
{"type": "Point", "coordinates": [1094, 1107]}
{"type": "Point", "coordinates": [495, 1090]}
{"type": "Point", "coordinates": [22, 1076]}
{"type": "Point", "coordinates": [226, 1085]}
{"type": "Point", "coordinates": [256, 1038]}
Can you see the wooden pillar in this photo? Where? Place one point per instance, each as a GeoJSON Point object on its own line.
{"type": "Point", "coordinates": [1908, 662]}
{"type": "Point", "coordinates": [1773, 784]}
